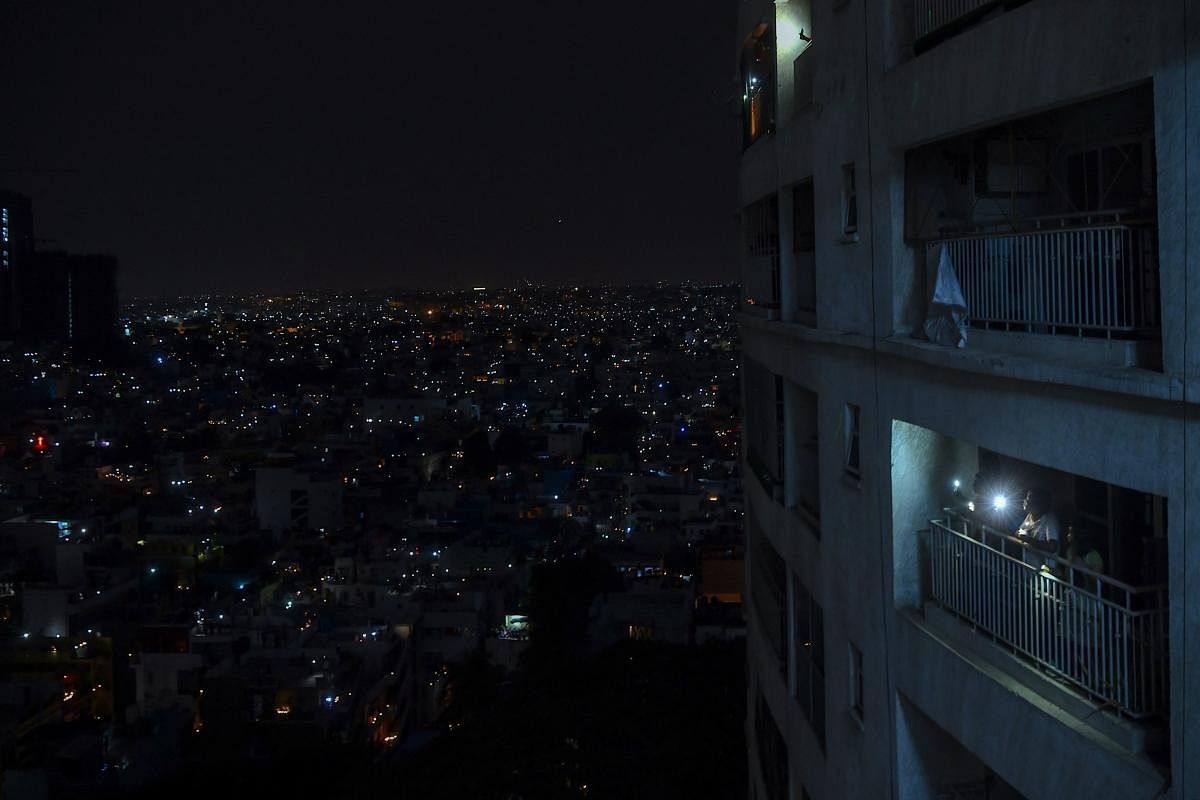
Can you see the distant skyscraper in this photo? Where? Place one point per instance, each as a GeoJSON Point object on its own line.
{"type": "Point", "coordinates": [70, 299]}
{"type": "Point", "coordinates": [16, 249]}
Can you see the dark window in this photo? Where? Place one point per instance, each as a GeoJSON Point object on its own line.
{"type": "Point", "coordinates": [851, 430]}
{"type": "Point", "coordinates": [849, 200]}
{"type": "Point", "coordinates": [804, 243]}
{"type": "Point", "coordinates": [809, 652]}
{"type": "Point", "coordinates": [768, 587]}
{"type": "Point", "coordinates": [760, 231]}
{"type": "Point", "coordinates": [808, 478]}
{"type": "Point", "coordinates": [772, 751]}
{"type": "Point", "coordinates": [780, 431]}
{"type": "Point", "coordinates": [856, 681]}
{"type": "Point", "coordinates": [804, 218]}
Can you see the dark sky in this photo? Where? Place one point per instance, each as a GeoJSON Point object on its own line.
{"type": "Point", "coordinates": [238, 146]}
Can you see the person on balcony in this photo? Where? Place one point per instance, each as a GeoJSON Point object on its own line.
{"type": "Point", "coordinates": [1039, 531]}
{"type": "Point", "coordinates": [1082, 552]}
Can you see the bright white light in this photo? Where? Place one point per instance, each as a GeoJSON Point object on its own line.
{"type": "Point", "coordinates": [970, 505]}
{"type": "Point", "coordinates": [957, 483]}
{"type": "Point", "coordinates": [999, 502]}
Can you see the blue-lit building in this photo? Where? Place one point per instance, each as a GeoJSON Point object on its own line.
{"type": "Point", "coordinates": [16, 250]}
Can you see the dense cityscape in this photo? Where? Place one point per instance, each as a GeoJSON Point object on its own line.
{"type": "Point", "coordinates": [269, 523]}
{"type": "Point", "coordinates": [785, 400]}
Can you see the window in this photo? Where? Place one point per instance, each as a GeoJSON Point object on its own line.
{"type": "Point", "coordinates": [762, 434]}
{"type": "Point", "coordinates": [760, 233]}
{"type": "Point", "coordinates": [855, 677]}
{"type": "Point", "coordinates": [641, 632]}
{"type": "Point", "coordinates": [804, 243]}
{"type": "Point", "coordinates": [807, 480]}
{"type": "Point", "coordinates": [780, 432]}
{"type": "Point", "coordinates": [850, 431]}
{"type": "Point", "coordinates": [772, 751]}
{"type": "Point", "coordinates": [809, 650]}
{"type": "Point", "coordinates": [804, 218]}
{"type": "Point", "coordinates": [849, 201]}
{"type": "Point", "coordinates": [768, 585]}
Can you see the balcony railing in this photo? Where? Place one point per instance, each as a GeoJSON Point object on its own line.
{"type": "Point", "coordinates": [1107, 638]}
{"type": "Point", "coordinates": [772, 485]}
{"type": "Point", "coordinates": [933, 16]}
{"type": "Point", "coordinates": [1097, 280]}
{"type": "Point", "coordinates": [760, 285]}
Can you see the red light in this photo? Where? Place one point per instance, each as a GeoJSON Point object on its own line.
{"type": "Point", "coordinates": [40, 444]}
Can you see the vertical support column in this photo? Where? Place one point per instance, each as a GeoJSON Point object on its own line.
{"type": "Point", "coordinates": [787, 256]}
{"type": "Point", "coordinates": [791, 447]}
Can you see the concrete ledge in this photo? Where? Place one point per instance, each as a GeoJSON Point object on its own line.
{"type": "Point", "coordinates": [1038, 366]}
{"type": "Point", "coordinates": [975, 357]}
{"type": "Point", "coordinates": [1078, 350]}
{"type": "Point", "coordinates": [1035, 746]}
{"type": "Point", "coordinates": [1121, 732]}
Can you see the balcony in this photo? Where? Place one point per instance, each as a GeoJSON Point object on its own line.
{"type": "Point", "coordinates": [760, 277]}
{"type": "Point", "coordinates": [1049, 223]}
{"type": "Point", "coordinates": [1060, 279]}
{"type": "Point", "coordinates": [1105, 638]}
{"type": "Point", "coordinates": [932, 18]}
{"type": "Point", "coordinates": [935, 21]}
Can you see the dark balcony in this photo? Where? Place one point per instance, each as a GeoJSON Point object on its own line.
{"type": "Point", "coordinates": [934, 21]}
{"type": "Point", "coordinates": [760, 274]}
{"type": "Point", "coordinates": [1049, 224]}
{"type": "Point", "coordinates": [1076, 276]}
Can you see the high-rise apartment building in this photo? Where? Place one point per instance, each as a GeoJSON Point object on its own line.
{"type": "Point", "coordinates": [52, 296]}
{"type": "Point", "coordinates": [968, 228]}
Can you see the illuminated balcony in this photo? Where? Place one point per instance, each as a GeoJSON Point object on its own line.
{"type": "Point", "coordinates": [1106, 638]}
{"type": "Point", "coordinates": [1078, 621]}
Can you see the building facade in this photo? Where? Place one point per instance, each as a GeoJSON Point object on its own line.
{"type": "Point", "coordinates": [967, 229]}
{"type": "Point", "coordinates": [16, 249]}
{"type": "Point", "coordinates": [70, 299]}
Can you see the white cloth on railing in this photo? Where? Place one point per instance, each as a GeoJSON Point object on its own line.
{"type": "Point", "coordinates": [946, 319]}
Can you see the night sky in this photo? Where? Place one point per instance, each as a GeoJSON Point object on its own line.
{"type": "Point", "coordinates": [230, 147]}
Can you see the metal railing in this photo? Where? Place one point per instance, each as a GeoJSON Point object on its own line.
{"type": "Point", "coordinates": [1100, 279]}
{"type": "Point", "coordinates": [760, 284]}
{"type": "Point", "coordinates": [1107, 638]}
{"type": "Point", "coordinates": [771, 484]}
{"type": "Point", "coordinates": [930, 16]}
